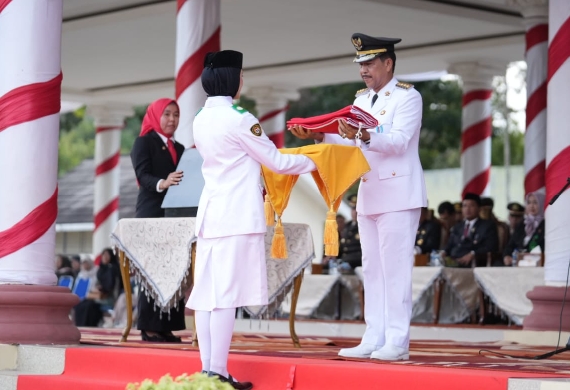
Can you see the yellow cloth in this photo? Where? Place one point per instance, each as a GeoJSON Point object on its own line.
{"type": "Point", "coordinates": [338, 167]}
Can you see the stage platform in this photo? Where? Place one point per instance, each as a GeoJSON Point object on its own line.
{"type": "Point", "coordinates": [271, 362]}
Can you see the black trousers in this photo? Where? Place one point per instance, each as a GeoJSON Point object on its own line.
{"type": "Point", "coordinates": [88, 313]}
{"type": "Point", "coordinates": [151, 321]}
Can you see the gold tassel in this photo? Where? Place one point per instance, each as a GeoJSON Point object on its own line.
{"type": "Point", "coordinates": [278, 244]}
{"type": "Point", "coordinates": [269, 212]}
{"type": "Point", "coordinates": [331, 234]}
{"type": "Point", "coordinates": [331, 250]}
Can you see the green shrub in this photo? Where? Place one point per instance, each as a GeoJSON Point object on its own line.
{"type": "Point", "coordinates": [196, 381]}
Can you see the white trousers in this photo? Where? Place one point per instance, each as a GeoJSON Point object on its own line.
{"type": "Point", "coordinates": [387, 242]}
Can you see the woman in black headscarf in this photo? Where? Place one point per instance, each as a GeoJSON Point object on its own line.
{"type": "Point", "coordinates": [230, 261]}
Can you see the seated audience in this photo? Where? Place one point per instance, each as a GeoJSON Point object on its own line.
{"type": "Point", "coordinates": [62, 266]}
{"type": "Point", "coordinates": [101, 298]}
{"type": "Point", "coordinates": [458, 211]}
{"type": "Point", "coordinates": [486, 212]}
{"type": "Point", "coordinates": [486, 209]}
{"type": "Point", "coordinates": [516, 214]}
{"type": "Point", "coordinates": [88, 271]}
{"type": "Point", "coordinates": [428, 236]}
{"type": "Point", "coordinates": [446, 212]}
{"type": "Point", "coordinates": [472, 236]}
{"type": "Point", "coordinates": [75, 265]}
{"type": "Point", "coordinates": [350, 251]}
{"type": "Point", "coordinates": [529, 233]}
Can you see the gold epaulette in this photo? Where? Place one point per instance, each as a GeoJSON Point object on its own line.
{"type": "Point", "coordinates": [361, 92]}
{"type": "Point", "coordinates": [404, 85]}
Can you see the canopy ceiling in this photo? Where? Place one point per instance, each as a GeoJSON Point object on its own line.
{"type": "Point", "coordinates": [123, 51]}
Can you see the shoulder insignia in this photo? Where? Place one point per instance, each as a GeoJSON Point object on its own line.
{"type": "Point", "coordinates": [198, 111]}
{"type": "Point", "coordinates": [361, 92]}
{"type": "Point", "coordinates": [239, 109]}
{"type": "Point", "coordinates": [256, 130]}
{"type": "Point", "coordinates": [404, 85]}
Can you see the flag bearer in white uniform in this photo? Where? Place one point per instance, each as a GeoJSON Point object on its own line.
{"type": "Point", "coordinates": [230, 255]}
{"type": "Point", "coordinates": [390, 197]}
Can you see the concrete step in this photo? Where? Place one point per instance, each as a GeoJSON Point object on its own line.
{"type": "Point", "coordinates": [539, 384]}
{"type": "Point", "coordinates": [16, 360]}
{"type": "Point", "coordinates": [9, 380]}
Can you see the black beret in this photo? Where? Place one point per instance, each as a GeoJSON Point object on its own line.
{"type": "Point", "coordinates": [515, 208]}
{"type": "Point", "coordinates": [368, 47]}
{"type": "Point", "coordinates": [487, 202]}
{"type": "Point", "coordinates": [474, 197]}
{"type": "Point", "coordinates": [223, 59]}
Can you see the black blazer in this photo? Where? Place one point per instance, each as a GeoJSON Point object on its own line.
{"type": "Point", "coordinates": [428, 236]}
{"type": "Point", "coordinates": [517, 239]}
{"type": "Point", "coordinates": [483, 238]}
{"type": "Point", "coordinates": [152, 162]}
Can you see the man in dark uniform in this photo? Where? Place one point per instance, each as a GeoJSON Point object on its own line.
{"type": "Point", "coordinates": [350, 250]}
{"type": "Point", "coordinates": [472, 236]}
{"type": "Point", "coordinates": [516, 215]}
{"type": "Point", "coordinates": [458, 213]}
{"type": "Point", "coordinates": [486, 212]}
{"type": "Point", "coordinates": [428, 236]}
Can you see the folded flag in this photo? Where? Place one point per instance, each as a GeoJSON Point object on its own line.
{"type": "Point", "coordinates": [328, 123]}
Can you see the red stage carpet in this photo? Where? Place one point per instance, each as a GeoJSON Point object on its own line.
{"type": "Point", "coordinates": [271, 362]}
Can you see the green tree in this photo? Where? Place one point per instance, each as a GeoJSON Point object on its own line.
{"type": "Point", "coordinates": [317, 101]}
{"type": "Point", "coordinates": [69, 120]}
{"type": "Point", "coordinates": [132, 129]}
{"type": "Point", "coordinates": [440, 137]}
{"type": "Point", "coordinates": [77, 137]}
{"type": "Point", "coordinates": [516, 140]}
{"type": "Point", "coordinates": [75, 145]}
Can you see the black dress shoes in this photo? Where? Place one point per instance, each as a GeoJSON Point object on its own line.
{"type": "Point", "coordinates": [236, 385]}
{"type": "Point", "coordinates": [156, 338]}
{"type": "Point", "coordinates": [170, 338]}
{"type": "Point", "coordinates": [161, 337]}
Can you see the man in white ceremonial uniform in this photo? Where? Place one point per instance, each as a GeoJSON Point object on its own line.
{"type": "Point", "coordinates": [230, 266]}
{"type": "Point", "coordinates": [390, 197]}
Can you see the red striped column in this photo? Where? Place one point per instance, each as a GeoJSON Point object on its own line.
{"type": "Point", "coordinates": [558, 143]}
{"type": "Point", "coordinates": [476, 124]}
{"type": "Point", "coordinates": [272, 105]}
{"type": "Point", "coordinates": [109, 121]}
{"type": "Point", "coordinates": [30, 89]}
{"type": "Point", "coordinates": [197, 33]}
{"type": "Point", "coordinates": [536, 23]}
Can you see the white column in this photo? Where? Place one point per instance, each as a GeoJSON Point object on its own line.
{"type": "Point", "coordinates": [476, 124]}
{"type": "Point", "coordinates": [30, 89]}
{"type": "Point", "coordinates": [535, 13]}
{"type": "Point", "coordinates": [197, 33]}
{"type": "Point", "coordinates": [109, 121]}
{"type": "Point", "coordinates": [272, 104]}
{"type": "Point", "coordinates": [558, 143]}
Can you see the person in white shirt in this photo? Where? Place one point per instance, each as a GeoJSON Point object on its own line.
{"type": "Point", "coordinates": [390, 197]}
{"type": "Point", "coordinates": [230, 224]}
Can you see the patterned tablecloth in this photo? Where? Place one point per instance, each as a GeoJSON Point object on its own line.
{"type": "Point", "coordinates": [327, 297]}
{"type": "Point", "coordinates": [159, 253]}
{"type": "Point", "coordinates": [280, 273]}
{"type": "Point", "coordinates": [507, 288]}
{"type": "Point", "coordinates": [459, 299]}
